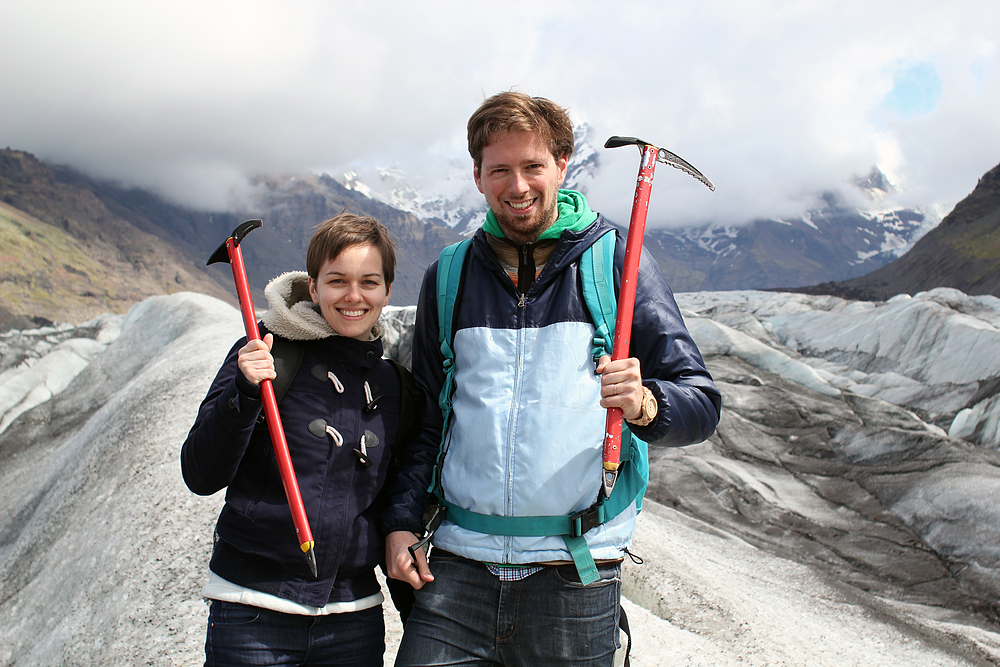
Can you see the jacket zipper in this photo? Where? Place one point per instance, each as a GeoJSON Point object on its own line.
{"type": "Point", "coordinates": [514, 411]}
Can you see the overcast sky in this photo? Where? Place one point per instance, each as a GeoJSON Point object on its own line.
{"type": "Point", "coordinates": [773, 101]}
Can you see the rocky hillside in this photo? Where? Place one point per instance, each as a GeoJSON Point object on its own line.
{"type": "Point", "coordinates": [68, 256]}
{"type": "Point", "coordinates": [962, 252]}
{"type": "Point", "coordinates": [74, 247]}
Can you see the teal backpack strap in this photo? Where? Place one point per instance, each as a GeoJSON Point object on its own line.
{"type": "Point", "coordinates": [451, 261]}
{"type": "Point", "coordinates": [597, 266]}
{"type": "Point", "coordinates": [571, 528]}
{"type": "Point", "coordinates": [597, 280]}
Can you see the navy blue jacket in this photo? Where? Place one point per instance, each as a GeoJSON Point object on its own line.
{"type": "Point", "coordinates": [672, 368]}
{"type": "Point", "coordinates": [257, 546]}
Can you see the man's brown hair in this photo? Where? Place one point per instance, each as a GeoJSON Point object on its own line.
{"type": "Point", "coordinates": [513, 112]}
{"type": "Point", "coordinates": [347, 229]}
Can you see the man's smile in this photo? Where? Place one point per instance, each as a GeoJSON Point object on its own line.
{"type": "Point", "coordinates": [521, 205]}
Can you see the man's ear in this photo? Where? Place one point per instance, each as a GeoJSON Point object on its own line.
{"type": "Point", "coordinates": [479, 183]}
{"type": "Point", "coordinates": [562, 164]}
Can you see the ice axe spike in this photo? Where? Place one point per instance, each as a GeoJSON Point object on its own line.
{"type": "Point", "coordinates": [230, 252]}
{"type": "Point", "coordinates": [630, 271]}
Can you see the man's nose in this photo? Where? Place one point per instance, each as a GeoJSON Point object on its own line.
{"type": "Point", "coordinates": [518, 183]}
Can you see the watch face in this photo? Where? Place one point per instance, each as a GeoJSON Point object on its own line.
{"type": "Point", "coordinates": [649, 407]}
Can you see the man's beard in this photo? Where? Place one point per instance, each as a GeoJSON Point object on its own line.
{"type": "Point", "coordinates": [526, 230]}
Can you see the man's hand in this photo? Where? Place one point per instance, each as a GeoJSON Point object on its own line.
{"type": "Point", "coordinates": [255, 360]}
{"type": "Point", "coordinates": [621, 385]}
{"type": "Point", "coordinates": [399, 562]}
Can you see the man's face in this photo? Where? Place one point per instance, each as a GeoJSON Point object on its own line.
{"type": "Point", "coordinates": [521, 181]}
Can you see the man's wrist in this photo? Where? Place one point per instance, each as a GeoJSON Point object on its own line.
{"type": "Point", "coordinates": [648, 409]}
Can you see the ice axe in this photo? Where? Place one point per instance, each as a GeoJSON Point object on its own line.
{"type": "Point", "coordinates": [230, 252]}
{"type": "Point", "coordinates": [626, 299]}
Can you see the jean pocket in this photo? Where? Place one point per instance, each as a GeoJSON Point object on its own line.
{"type": "Point", "coordinates": [608, 574]}
{"type": "Point", "coordinates": [232, 613]}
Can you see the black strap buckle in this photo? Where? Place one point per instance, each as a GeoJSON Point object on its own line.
{"type": "Point", "coordinates": [584, 520]}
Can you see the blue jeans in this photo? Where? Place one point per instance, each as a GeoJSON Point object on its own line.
{"type": "Point", "coordinates": [242, 635]}
{"type": "Point", "coordinates": [468, 616]}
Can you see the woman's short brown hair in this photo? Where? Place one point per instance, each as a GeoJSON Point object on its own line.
{"type": "Point", "coordinates": [511, 112]}
{"type": "Point", "coordinates": [347, 229]}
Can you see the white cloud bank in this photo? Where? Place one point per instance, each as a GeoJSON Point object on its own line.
{"type": "Point", "coordinates": [773, 101]}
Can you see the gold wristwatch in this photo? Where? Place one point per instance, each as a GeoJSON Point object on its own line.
{"type": "Point", "coordinates": [649, 409]}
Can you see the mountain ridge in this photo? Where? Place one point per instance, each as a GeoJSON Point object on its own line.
{"type": "Point", "coordinates": [67, 254]}
{"type": "Point", "coordinates": [144, 245]}
{"type": "Point", "coordinates": [963, 252]}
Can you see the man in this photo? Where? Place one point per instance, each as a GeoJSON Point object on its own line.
{"type": "Point", "coordinates": [525, 433]}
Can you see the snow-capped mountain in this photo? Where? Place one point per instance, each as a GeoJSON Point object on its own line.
{"type": "Point", "coordinates": [834, 242]}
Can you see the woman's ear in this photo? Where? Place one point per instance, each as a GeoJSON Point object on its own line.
{"type": "Point", "coordinates": [312, 291]}
{"type": "Point", "coordinates": [388, 293]}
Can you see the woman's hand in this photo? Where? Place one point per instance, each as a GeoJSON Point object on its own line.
{"type": "Point", "coordinates": [255, 360]}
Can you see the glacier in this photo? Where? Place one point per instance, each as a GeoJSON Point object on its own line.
{"type": "Point", "coordinates": [845, 512]}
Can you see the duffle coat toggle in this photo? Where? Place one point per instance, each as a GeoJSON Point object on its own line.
{"type": "Point", "coordinates": [370, 403]}
{"type": "Point", "coordinates": [320, 428]}
{"type": "Point", "coordinates": [369, 439]}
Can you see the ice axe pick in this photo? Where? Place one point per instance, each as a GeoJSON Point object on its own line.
{"type": "Point", "coordinates": [230, 252]}
{"type": "Point", "coordinates": [626, 299]}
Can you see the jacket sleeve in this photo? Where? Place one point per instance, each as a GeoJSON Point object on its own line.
{"type": "Point", "coordinates": [408, 495]}
{"type": "Point", "coordinates": [216, 443]}
{"type": "Point", "coordinates": [671, 365]}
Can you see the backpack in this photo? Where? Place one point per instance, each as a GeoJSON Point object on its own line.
{"type": "Point", "coordinates": [597, 281]}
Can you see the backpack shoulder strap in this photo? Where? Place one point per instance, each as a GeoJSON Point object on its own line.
{"type": "Point", "coordinates": [287, 359]}
{"type": "Point", "coordinates": [451, 263]}
{"type": "Point", "coordinates": [597, 276]}
{"type": "Point", "coordinates": [411, 406]}
{"type": "Point", "coordinates": [597, 281]}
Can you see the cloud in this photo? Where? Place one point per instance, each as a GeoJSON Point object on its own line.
{"type": "Point", "coordinates": [775, 102]}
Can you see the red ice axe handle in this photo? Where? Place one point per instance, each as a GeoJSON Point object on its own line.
{"type": "Point", "coordinates": [630, 272]}
{"type": "Point", "coordinates": [626, 306]}
{"type": "Point", "coordinates": [284, 458]}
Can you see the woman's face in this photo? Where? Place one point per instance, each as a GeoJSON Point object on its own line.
{"type": "Point", "coordinates": [350, 291]}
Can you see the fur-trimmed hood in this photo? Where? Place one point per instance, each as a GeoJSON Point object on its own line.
{"type": "Point", "coordinates": [292, 313]}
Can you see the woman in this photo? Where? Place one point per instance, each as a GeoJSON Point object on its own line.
{"type": "Point", "coordinates": [342, 417]}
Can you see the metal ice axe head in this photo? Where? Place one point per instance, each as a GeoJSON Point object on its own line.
{"type": "Point", "coordinates": [221, 253]}
{"type": "Point", "coordinates": [662, 155]}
